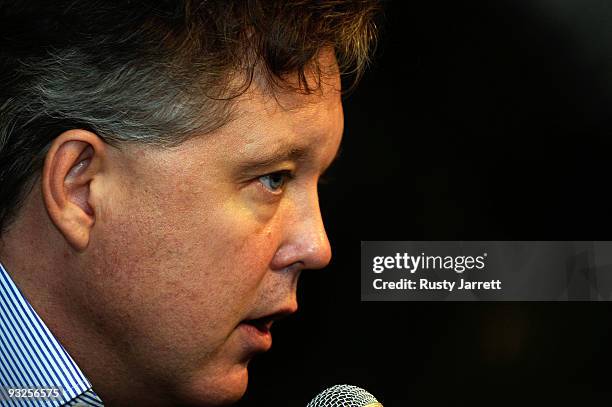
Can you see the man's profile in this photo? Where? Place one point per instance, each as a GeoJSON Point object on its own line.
{"type": "Point", "coordinates": [159, 163]}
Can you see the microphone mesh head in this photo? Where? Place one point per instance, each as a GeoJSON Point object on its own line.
{"type": "Point", "coordinates": [342, 395]}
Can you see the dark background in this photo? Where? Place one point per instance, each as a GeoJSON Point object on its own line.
{"type": "Point", "coordinates": [481, 120]}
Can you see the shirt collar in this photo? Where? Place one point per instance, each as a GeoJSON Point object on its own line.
{"type": "Point", "coordinates": [32, 358]}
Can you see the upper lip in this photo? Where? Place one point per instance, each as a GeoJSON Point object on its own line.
{"type": "Point", "coordinates": [266, 320]}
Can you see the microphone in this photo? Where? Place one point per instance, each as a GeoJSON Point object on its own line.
{"type": "Point", "coordinates": [344, 395]}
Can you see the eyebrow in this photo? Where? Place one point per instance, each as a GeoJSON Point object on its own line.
{"type": "Point", "coordinates": [281, 154]}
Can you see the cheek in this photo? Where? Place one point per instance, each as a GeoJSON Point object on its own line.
{"type": "Point", "coordinates": [245, 240]}
{"type": "Point", "coordinates": [187, 252]}
{"type": "Point", "coordinates": [171, 267]}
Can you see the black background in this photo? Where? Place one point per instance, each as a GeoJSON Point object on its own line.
{"type": "Point", "coordinates": [481, 120]}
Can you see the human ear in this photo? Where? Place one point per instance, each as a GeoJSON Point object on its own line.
{"type": "Point", "coordinates": [72, 162]}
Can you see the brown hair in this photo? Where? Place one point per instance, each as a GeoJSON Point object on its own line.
{"type": "Point", "coordinates": [154, 72]}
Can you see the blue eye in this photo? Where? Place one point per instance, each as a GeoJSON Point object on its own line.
{"type": "Point", "coordinates": [275, 181]}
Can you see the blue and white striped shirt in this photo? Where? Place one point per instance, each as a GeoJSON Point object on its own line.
{"type": "Point", "coordinates": [32, 358]}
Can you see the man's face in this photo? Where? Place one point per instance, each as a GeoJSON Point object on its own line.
{"type": "Point", "coordinates": [191, 242]}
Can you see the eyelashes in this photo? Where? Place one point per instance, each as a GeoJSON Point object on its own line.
{"type": "Point", "coordinates": [275, 182]}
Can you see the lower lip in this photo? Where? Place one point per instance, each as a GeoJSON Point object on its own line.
{"type": "Point", "coordinates": [255, 338]}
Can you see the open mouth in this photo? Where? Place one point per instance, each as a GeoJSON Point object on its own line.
{"type": "Point", "coordinates": [261, 324]}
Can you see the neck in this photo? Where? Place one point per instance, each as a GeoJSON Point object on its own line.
{"type": "Point", "coordinates": [55, 283]}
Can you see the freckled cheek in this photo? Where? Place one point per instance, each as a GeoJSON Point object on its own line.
{"type": "Point", "coordinates": [248, 237]}
{"type": "Point", "coordinates": [219, 231]}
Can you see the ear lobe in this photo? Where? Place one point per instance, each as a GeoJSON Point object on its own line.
{"type": "Point", "coordinates": [71, 164]}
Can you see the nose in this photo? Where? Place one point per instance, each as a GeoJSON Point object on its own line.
{"type": "Point", "coordinates": [306, 245]}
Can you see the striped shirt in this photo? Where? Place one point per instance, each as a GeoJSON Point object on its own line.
{"type": "Point", "coordinates": [32, 359]}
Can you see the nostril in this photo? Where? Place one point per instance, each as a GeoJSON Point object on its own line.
{"type": "Point", "coordinates": [297, 266]}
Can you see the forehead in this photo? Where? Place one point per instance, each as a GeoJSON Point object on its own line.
{"type": "Point", "coordinates": [264, 122]}
{"type": "Point", "coordinates": [288, 116]}
{"type": "Point", "coordinates": [285, 105]}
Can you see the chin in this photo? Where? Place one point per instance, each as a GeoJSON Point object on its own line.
{"type": "Point", "coordinates": [210, 389]}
